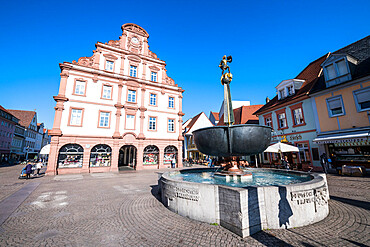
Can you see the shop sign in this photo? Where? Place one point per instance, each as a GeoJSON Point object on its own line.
{"type": "Point", "coordinates": [295, 137]}
{"type": "Point", "coordinates": [349, 142]}
{"type": "Point", "coordinates": [352, 143]}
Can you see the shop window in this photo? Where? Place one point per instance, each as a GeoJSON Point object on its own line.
{"type": "Point", "coordinates": [151, 154]}
{"type": "Point", "coordinates": [70, 156]}
{"type": "Point", "coordinates": [362, 99]}
{"type": "Point", "coordinates": [100, 155]}
{"type": "Point", "coordinates": [170, 155]}
{"type": "Point", "coordinates": [304, 152]}
{"type": "Point", "coordinates": [335, 106]}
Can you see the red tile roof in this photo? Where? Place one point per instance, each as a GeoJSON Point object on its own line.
{"type": "Point", "coordinates": [215, 115]}
{"type": "Point", "coordinates": [25, 117]}
{"type": "Point", "coordinates": [310, 74]}
{"type": "Point", "coordinates": [243, 114]}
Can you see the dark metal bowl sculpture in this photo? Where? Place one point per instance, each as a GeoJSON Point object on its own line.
{"type": "Point", "coordinates": [234, 140]}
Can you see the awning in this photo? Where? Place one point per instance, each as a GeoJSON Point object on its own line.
{"type": "Point", "coordinates": [359, 136]}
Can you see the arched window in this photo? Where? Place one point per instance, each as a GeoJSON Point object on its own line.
{"type": "Point", "coordinates": [70, 156]}
{"type": "Point", "coordinates": [170, 155]}
{"type": "Point", "coordinates": [151, 155]}
{"type": "Point", "coordinates": [101, 155]}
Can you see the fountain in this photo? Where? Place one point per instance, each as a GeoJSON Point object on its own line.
{"type": "Point", "coordinates": [238, 199]}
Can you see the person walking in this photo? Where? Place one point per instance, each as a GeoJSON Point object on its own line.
{"type": "Point", "coordinates": [28, 170]}
{"type": "Point", "coordinates": [324, 162]}
{"type": "Point", "coordinates": [38, 167]}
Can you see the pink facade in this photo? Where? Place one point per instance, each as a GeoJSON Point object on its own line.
{"type": "Point", "coordinates": [116, 108]}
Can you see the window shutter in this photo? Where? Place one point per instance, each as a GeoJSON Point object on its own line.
{"type": "Point", "coordinates": [333, 104]}
{"type": "Point", "coordinates": [363, 96]}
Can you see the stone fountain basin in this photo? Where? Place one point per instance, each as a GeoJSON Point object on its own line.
{"type": "Point", "coordinates": [248, 210]}
{"type": "Point", "coordinates": [245, 139]}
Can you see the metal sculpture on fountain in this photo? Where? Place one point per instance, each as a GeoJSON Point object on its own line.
{"type": "Point", "coordinates": [231, 140]}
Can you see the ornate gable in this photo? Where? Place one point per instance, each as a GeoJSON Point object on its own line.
{"type": "Point", "coordinates": [131, 27]}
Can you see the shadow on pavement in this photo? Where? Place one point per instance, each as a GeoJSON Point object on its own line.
{"type": "Point", "coordinates": [269, 239]}
{"type": "Point", "coordinates": [356, 203]}
{"type": "Point", "coordinates": [354, 242]}
{"type": "Point", "coordinates": [155, 192]}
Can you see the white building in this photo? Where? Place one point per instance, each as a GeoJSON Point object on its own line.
{"type": "Point", "coordinates": [115, 109]}
{"type": "Point", "coordinates": [197, 122]}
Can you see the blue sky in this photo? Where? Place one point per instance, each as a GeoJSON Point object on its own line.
{"type": "Point", "coordinates": [270, 41]}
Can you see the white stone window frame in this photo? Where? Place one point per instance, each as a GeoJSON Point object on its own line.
{"type": "Point", "coordinates": [152, 99]}
{"type": "Point", "coordinates": [282, 120]}
{"type": "Point", "coordinates": [107, 91]}
{"type": "Point", "coordinates": [152, 123]}
{"type": "Point", "coordinates": [133, 70]}
{"type": "Point", "coordinates": [154, 76]}
{"type": "Point", "coordinates": [335, 99]}
{"type": "Point", "coordinates": [131, 97]}
{"type": "Point", "coordinates": [109, 65]}
{"type": "Point", "coordinates": [171, 125]}
{"type": "Point", "coordinates": [171, 103]}
{"type": "Point", "coordinates": [360, 97]}
{"type": "Point", "coordinates": [268, 121]}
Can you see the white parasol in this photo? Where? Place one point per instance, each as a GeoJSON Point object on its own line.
{"type": "Point", "coordinates": [45, 149]}
{"type": "Point", "coordinates": [281, 148]}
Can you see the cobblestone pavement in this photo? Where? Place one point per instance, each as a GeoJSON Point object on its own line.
{"type": "Point", "coordinates": [122, 210]}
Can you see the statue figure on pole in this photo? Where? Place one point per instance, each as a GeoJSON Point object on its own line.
{"type": "Point", "coordinates": [226, 79]}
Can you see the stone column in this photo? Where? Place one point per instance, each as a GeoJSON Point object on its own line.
{"type": "Point", "coordinates": [180, 114]}
{"type": "Point", "coordinates": [179, 154]}
{"type": "Point", "coordinates": [115, 156]}
{"type": "Point", "coordinates": [118, 106]}
{"type": "Point", "coordinates": [146, 47]}
{"type": "Point", "coordinates": [53, 156]}
{"type": "Point", "coordinates": [97, 54]}
{"type": "Point", "coordinates": [144, 70]}
{"type": "Point", "coordinates": [139, 156]}
{"type": "Point", "coordinates": [122, 69]}
{"type": "Point", "coordinates": [142, 109]}
{"type": "Point", "coordinates": [60, 99]}
{"type": "Point", "coordinates": [86, 159]}
{"type": "Point", "coordinates": [123, 40]}
{"type": "Point", "coordinates": [161, 156]}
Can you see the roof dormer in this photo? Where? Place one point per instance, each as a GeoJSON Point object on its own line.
{"type": "Point", "coordinates": [288, 88]}
{"type": "Point", "coordinates": [337, 69]}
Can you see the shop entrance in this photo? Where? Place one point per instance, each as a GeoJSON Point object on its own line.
{"type": "Point", "coordinates": [127, 157]}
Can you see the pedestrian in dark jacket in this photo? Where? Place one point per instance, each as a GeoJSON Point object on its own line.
{"type": "Point", "coordinates": [28, 170]}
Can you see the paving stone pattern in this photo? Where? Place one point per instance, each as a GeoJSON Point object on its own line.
{"type": "Point", "coordinates": [123, 210]}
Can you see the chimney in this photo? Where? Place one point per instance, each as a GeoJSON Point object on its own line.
{"type": "Point", "coordinates": [267, 100]}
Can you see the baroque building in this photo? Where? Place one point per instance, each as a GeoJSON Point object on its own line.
{"type": "Point", "coordinates": [116, 109]}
